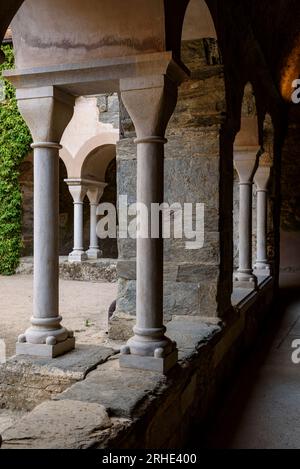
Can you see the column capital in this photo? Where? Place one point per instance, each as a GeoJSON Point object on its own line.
{"type": "Point", "coordinates": [246, 161]}
{"type": "Point", "coordinates": [95, 191]}
{"type": "Point", "coordinates": [150, 101]}
{"type": "Point", "coordinates": [77, 189]}
{"type": "Point", "coordinates": [262, 177]}
{"type": "Point", "coordinates": [47, 111]}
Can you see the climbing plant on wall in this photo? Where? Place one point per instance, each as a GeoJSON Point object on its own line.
{"type": "Point", "coordinates": [15, 142]}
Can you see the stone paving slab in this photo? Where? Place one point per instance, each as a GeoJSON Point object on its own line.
{"type": "Point", "coordinates": [120, 391]}
{"type": "Point", "coordinates": [188, 332]}
{"type": "Point", "coordinates": [58, 425]}
{"type": "Point", "coordinates": [75, 364]}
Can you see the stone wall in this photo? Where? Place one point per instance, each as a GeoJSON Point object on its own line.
{"type": "Point", "coordinates": [192, 278]}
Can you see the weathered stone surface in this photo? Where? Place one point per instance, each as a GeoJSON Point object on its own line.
{"type": "Point", "coordinates": [188, 332]}
{"type": "Point", "coordinates": [196, 143]}
{"type": "Point", "coordinates": [93, 270]}
{"type": "Point", "coordinates": [120, 391]}
{"type": "Point", "coordinates": [208, 299]}
{"type": "Point", "coordinates": [199, 273]}
{"type": "Point", "coordinates": [27, 381]}
{"type": "Point", "coordinates": [108, 105]}
{"type": "Point", "coordinates": [9, 418]}
{"type": "Point", "coordinates": [180, 298]}
{"type": "Point", "coordinates": [194, 293]}
{"type": "Point", "coordinates": [127, 270]}
{"type": "Point", "coordinates": [59, 425]}
{"type": "Point", "coordinates": [176, 250]}
{"type": "Point", "coordinates": [127, 248]}
{"type": "Point", "coordinates": [191, 172]}
{"type": "Point", "coordinates": [126, 296]}
{"type": "Point", "coordinates": [120, 325]}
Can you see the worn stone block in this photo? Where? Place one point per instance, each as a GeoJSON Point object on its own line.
{"type": "Point", "coordinates": [119, 390]}
{"type": "Point", "coordinates": [26, 381]}
{"type": "Point", "coordinates": [58, 425]}
{"type": "Point", "coordinates": [120, 326]}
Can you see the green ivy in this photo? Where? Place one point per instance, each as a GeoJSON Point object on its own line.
{"type": "Point", "coordinates": [15, 142]}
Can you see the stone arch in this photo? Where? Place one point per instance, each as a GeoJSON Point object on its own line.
{"type": "Point", "coordinates": [198, 21]}
{"type": "Point", "coordinates": [99, 165]}
{"type": "Point", "coordinates": [199, 36]}
{"type": "Point", "coordinates": [97, 161]}
{"type": "Point", "coordinates": [8, 10]}
{"type": "Point", "coordinates": [75, 163]}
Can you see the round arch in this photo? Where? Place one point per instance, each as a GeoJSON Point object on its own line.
{"type": "Point", "coordinates": [74, 164]}
{"type": "Point", "coordinates": [198, 22]}
{"type": "Point", "coordinates": [97, 162]}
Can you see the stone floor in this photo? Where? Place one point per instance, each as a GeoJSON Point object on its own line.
{"type": "Point", "coordinates": [83, 305]}
{"type": "Point", "coordinates": [262, 407]}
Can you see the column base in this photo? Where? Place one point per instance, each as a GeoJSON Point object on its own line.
{"type": "Point", "coordinates": [242, 280]}
{"type": "Point", "coordinates": [262, 270]}
{"type": "Point", "coordinates": [159, 364]}
{"type": "Point", "coordinates": [94, 253]}
{"type": "Point", "coordinates": [45, 350]}
{"type": "Point", "coordinates": [77, 256]}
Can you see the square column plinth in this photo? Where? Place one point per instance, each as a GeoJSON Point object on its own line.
{"type": "Point", "coordinates": [159, 365]}
{"type": "Point", "coordinates": [45, 350]}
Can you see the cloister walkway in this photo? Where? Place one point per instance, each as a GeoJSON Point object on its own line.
{"type": "Point", "coordinates": [262, 408]}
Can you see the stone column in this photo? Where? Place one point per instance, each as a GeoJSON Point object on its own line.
{"type": "Point", "coordinates": [47, 111]}
{"type": "Point", "coordinates": [261, 179]}
{"type": "Point", "coordinates": [150, 103]}
{"type": "Point", "coordinates": [246, 162]}
{"type": "Point", "coordinates": [94, 194]}
{"type": "Point", "coordinates": [78, 192]}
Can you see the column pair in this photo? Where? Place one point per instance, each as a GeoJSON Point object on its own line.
{"type": "Point", "coordinates": [79, 188]}
{"type": "Point", "coordinates": [150, 102]}
{"type": "Point", "coordinates": [247, 165]}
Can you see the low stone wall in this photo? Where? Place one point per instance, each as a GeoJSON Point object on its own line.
{"type": "Point", "coordinates": [100, 270]}
{"type": "Point", "coordinates": [125, 408]}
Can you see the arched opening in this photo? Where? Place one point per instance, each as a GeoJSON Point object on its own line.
{"type": "Point", "coordinates": [100, 165]}
{"type": "Point", "coordinates": [199, 38]}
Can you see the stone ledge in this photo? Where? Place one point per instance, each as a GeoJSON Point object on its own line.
{"type": "Point", "coordinates": [65, 424]}
{"type": "Point", "coordinates": [26, 381]}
